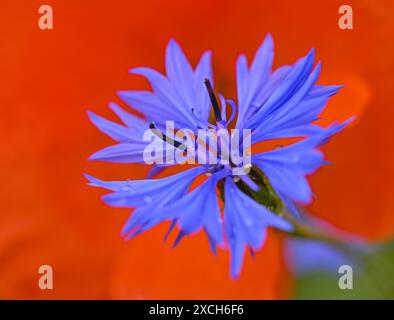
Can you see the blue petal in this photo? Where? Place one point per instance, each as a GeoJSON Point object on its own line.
{"type": "Point", "coordinates": [122, 153]}
{"type": "Point", "coordinates": [281, 104]}
{"type": "Point", "coordinates": [251, 82]}
{"type": "Point", "coordinates": [304, 130]}
{"type": "Point", "coordinates": [203, 71]}
{"type": "Point", "coordinates": [154, 108]}
{"type": "Point", "coordinates": [262, 64]}
{"type": "Point", "coordinates": [134, 193]}
{"type": "Point", "coordinates": [129, 119]}
{"type": "Point", "coordinates": [297, 121]}
{"type": "Point", "coordinates": [289, 86]}
{"type": "Point", "coordinates": [242, 83]}
{"type": "Point", "coordinates": [301, 93]}
{"type": "Point", "coordinates": [160, 85]}
{"type": "Point", "coordinates": [131, 146]}
{"type": "Point", "coordinates": [295, 111]}
{"type": "Point", "coordinates": [115, 131]}
{"type": "Point", "coordinates": [177, 96]}
{"type": "Point", "coordinates": [165, 95]}
{"type": "Point", "coordinates": [245, 223]}
{"type": "Point", "coordinates": [272, 84]}
{"type": "Point", "coordinates": [110, 185]}
{"type": "Point", "coordinates": [288, 167]}
{"type": "Point", "coordinates": [180, 73]}
{"type": "Point", "coordinates": [319, 90]}
{"type": "Point", "coordinates": [197, 210]}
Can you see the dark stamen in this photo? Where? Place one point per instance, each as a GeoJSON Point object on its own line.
{"type": "Point", "coordinates": [214, 101]}
{"type": "Point", "coordinates": [165, 138]}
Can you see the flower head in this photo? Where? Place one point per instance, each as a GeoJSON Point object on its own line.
{"type": "Point", "coordinates": [271, 104]}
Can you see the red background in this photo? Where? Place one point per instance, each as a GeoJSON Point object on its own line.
{"type": "Point", "coordinates": [50, 78]}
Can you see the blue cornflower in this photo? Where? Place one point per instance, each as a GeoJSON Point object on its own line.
{"type": "Point", "coordinates": [272, 104]}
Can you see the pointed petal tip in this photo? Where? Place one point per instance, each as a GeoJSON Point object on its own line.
{"type": "Point", "coordinates": [336, 127]}
{"type": "Point", "coordinates": [94, 182]}
{"type": "Point", "coordinates": [136, 70]}
{"type": "Point", "coordinates": [122, 93]}
{"type": "Point", "coordinates": [207, 54]}
{"type": "Point", "coordinates": [91, 180]}
{"type": "Point", "coordinates": [112, 105]}
{"type": "Point", "coordinates": [128, 237]}
{"type": "Point", "coordinates": [242, 58]}
{"type": "Point", "coordinates": [351, 119]}
{"type": "Point", "coordinates": [115, 108]}
{"type": "Point", "coordinates": [124, 232]}
{"type": "Point", "coordinates": [92, 116]}
{"type": "Point", "coordinates": [97, 120]}
{"type": "Point", "coordinates": [173, 46]}
{"type": "Point", "coordinates": [334, 89]}
{"type": "Point", "coordinates": [103, 154]}
{"type": "Point", "coordinates": [129, 230]}
{"type": "Point", "coordinates": [178, 239]}
{"type": "Point", "coordinates": [311, 54]}
{"type": "Point", "coordinates": [252, 253]}
{"type": "Point", "coordinates": [269, 40]}
{"type": "Point", "coordinates": [88, 177]}
{"type": "Point", "coordinates": [172, 226]}
{"type": "Point", "coordinates": [123, 235]}
{"type": "Point", "coordinates": [172, 41]}
{"type": "Point", "coordinates": [94, 157]}
{"type": "Point", "coordinates": [235, 274]}
{"type": "Point", "coordinates": [316, 70]}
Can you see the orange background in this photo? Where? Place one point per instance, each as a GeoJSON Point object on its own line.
{"type": "Point", "coordinates": [50, 78]}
